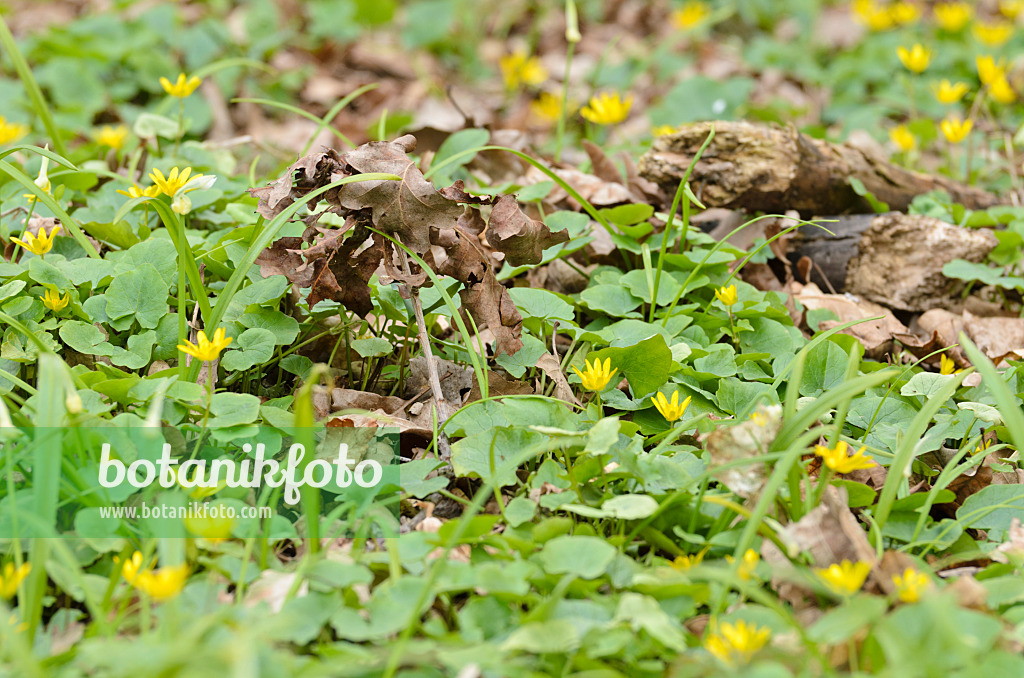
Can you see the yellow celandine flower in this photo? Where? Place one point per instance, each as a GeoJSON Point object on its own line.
{"type": "Point", "coordinates": [595, 377]}
{"type": "Point", "coordinates": [206, 350]}
{"type": "Point", "coordinates": [163, 583]}
{"type": "Point", "coordinates": [735, 643]}
{"type": "Point", "coordinates": [1011, 8]}
{"type": "Point", "coordinates": [953, 16]}
{"type": "Point", "coordinates": [11, 131]}
{"type": "Point", "coordinates": [53, 300]}
{"type": "Point", "coordinates": [517, 70]}
{"type": "Point", "coordinates": [114, 137]}
{"type": "Point", "coordinates": [978, 449]}
{"type": "Point", "coordinates": [904, 13]}
{"type": "Point", "coordinates": [548, 106]}
{"type": "Point", "coordinates": [903, 138]}
{"type": "Point", "coordinates": [873, 15]}
{"type": "Point", "coordinates": [182, 87]}
{"type": "Point", "coordinates": [137, 192]}
{"type": "Point", "coordinates": [1001, 91]}
{"type": "Point", "coordinates": [910, 585]}
{"type": "Point", "coordinates": [950, 93]}
{"type": "Point", "coordinates": [685, 562]}
{"type": "Point", "coordinates": [748, 564]}
{"type": "Point", "coordinates": [607, 109]}
{"type": "Point", "coordinates": [38, 244]}
{"type": "Point", "coordinates": [844, 578]}
{"type": "Point", "coordinates": [690, 14]}
{"type": "Point", "coordinates": [174, 181]}
{"type": "Point", "coordinates": [663, 130]}
{"type": "Point", "coordinates": [994, 34]}
{"type": "Point", "coordinates": [989, 70]}
{"type": "Point", "coordinates": [947, 365]}
{"type": "Point", "coordinates": [956, 130]}
{"type": "Point", "coordinates": [916, 58]}
{"type": "Point", "coordinates": [11, 578]}
{"type": "Point", "coordinates": [42, 180]}
{"type": "Point", "coordinates": [727, 295]}
{"type": "Point", "coordinates": [838, 459]}
{"type": "Point", "coordinates": [673, 409]}
{"type": "Point", "coordinates": [131, 568]}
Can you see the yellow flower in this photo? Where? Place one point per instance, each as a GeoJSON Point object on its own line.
{"type": "Point", "coordinates": [114, 137]}
{"type": "Point", "coordinates": [596, 376]}
{"type": "Point", "coordinates": [994, 34]}
{"type": "Point", "coordinates": [872, 15]}
{"type": "Point", "coordinates": [946, 365]}
{"type": "Point", "coordinates": [53, 300]}
{"type": "Point", "coordinates": [748, 565]}
{"type": "Point", "coordinates": [950, 93]}
{"type": "Point", "coordinates": [916, 58]}
{"type": "Point", "coordinates": [839, 461]}
{"type": "Point", "coordinates": [684, 563]}
{"type": "Point", "coordinates": [207, 350]}
{"type": "Point", "coordinates": [663, 130]}
{"type": "Point", "coordinates": [548, 106]}
{"type": "Point", "coordinates": [690, 14]}
{"type": "Point", "coordinates": [182, 87]}
{"type": "Point", "coordinates": [11, 131]}
{"type": "Point", "coordinates": [953, 16]}
{"type": "Point", "coordinates": [903, 13]}
{"type": "Point", "coordinates": [903, 138]}
{"type": "Point", "coordinates": [136, 192]}
{"type": "Point", "coordinates": [956, 130]}
{"type": "Point", "coordinates": [978, 449]}
{"type": "Point", "coordinates": [164, 583]}
{"type": "Point", "coordinates": [131, 568]}
{"type": "Point", "coordinates": [670, 410]}
{"type": "Point", "coordinates": [11, 578]}
{"type": "Point", "coordinates": [175, 182]}
{"type": "Point", "coordinates": [607, 109]}
{"type": "Point", "coordinates": [735, 643]}
{"type": "Point", "coordinates": [910, 585]}
{"type": "Point", "coordinates": [1011, 8]}
{"type": "Point", "coordinates": [844, 578]}
{"type": "Point", "coordinates": [42, 180]}
{"type": "Point", "coordinates": [1001, 91]}
{"type": "Point", "coordinates": [989, 70]}
{"type": "Point", "coordinates": [38, 244]}
{"type": "Point", "coordinates": [517, 69]}
{"type": "Point", "coordinates": [726, 295]}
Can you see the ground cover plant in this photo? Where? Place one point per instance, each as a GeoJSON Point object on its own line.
{"type": "Point", "coordinates": [688, 337]}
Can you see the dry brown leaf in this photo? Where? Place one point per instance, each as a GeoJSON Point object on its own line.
{"type": "Point", "coordinates": [522, 240]}
{"type": "Point", "coordinates": [744, 440]}
{"type": "Point", "coordinates": [550, 366]}
{"type": "Point", "coordinates": [877, 335]}
{"type": "Point", "coordinates": [997, 338]}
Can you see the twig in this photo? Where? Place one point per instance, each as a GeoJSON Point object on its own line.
{"type": "Point", "coordinates": [443, 409]}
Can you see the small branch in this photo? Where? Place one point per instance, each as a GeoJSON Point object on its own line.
{"type": "Point", "coordinates": [443, 408]}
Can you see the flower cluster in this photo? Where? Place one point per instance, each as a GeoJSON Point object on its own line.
{"type": "Point", "coordinates": [735, 644]}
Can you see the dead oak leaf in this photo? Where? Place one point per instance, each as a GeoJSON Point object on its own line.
{"type": "Point", "coordinates": [409, 208]}
{"type": "Point", "coordinates": [521, 239]}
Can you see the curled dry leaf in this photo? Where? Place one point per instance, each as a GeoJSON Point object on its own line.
{"type": "Point", "coordinates": [745, 440]}
{"type": "Point", "coordinates": [550, 366]}
{"type": "Point", "coordinates": [519, 237]}
{"type": "Point", "coordinates": [829, 533]}
{"type": "Point", "coordinates": [877, 335]}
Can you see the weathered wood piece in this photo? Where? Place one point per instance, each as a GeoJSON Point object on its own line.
{"type": "Point", "coordinates": [759, 167]}
{"type": "Point", "coordinates": [892, 259]}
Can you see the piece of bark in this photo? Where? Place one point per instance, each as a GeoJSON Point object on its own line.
{"type": "Point", "coordinates": [892, 259]}
{"type": "Point", "coordinates": [769, 168]}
